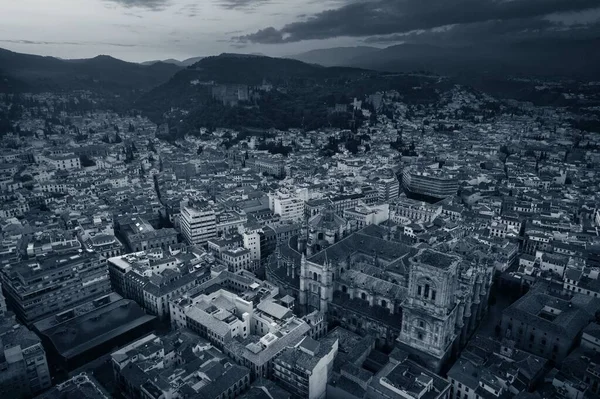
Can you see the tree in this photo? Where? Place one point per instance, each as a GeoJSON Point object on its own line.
{"type": "Point", "coordinates": [25, 178]}
{"type": "Point", "coordinates": [86, 161]}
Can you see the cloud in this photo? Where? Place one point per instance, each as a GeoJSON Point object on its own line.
{"type": "Point", "coordinates": [241, 4]}
{"type": "Point", "coordinates": [492, 32]}
{"type": "Point", "coordinates": [191, 10]}
{"type": "Point", "coordinates": [362, 18]}
{"type": "Point", "coordinates": [152, 5]}
{"type": "Point", "coordinates": [65, 43]}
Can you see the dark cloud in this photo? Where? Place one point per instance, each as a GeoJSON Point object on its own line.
{"type": "Point", "coordinates": [241, 4]}
{"type": "Point", "coordinates": [380, 18]}
{"type": "Point", "coordinates": [493, 32]}
{"type": "Point", "coordinates": [153, 5]}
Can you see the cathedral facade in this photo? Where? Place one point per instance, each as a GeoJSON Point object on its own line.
{"type": "Point", "coordinates": [424, 300]}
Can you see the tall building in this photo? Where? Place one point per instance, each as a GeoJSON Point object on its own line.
{"type": "Point", "coordinates": [433, 184]}
{"type": "Point", "coordinates": [289, 207]}
{"type": "Point", "coordinates": [304, 370]}
{"type": "Point", "coordinates": [198, 222]}
{"type": "Point", "coordinates": [252, 243]}
{"type": "Point", "coordinates": [388, 189]}
{"type": "Point", "coordinates": [23, 366]}
{"type": "Point", "coordinates": [42, 287]}
{"type": "Point", "coordinates": [429, 314]}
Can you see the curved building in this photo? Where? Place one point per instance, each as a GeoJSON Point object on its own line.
{"type": "Point", "coordinates": [436, 184]}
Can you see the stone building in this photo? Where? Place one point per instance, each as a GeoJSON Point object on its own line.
{"type": "Point", "coordinates": [426, 301]}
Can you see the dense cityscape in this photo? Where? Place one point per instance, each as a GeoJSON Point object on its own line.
{"type": "Point", "coordinates": [355, 199]}
{"type": "Point", "coordinates": [414, 256]}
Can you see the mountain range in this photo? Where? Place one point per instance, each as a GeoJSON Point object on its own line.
{"type": "Point", "coordinates": [185, 63]}
{"type": "Point", "coordinates": [20, 72]}
{"type": "Point", "coordinates": [568, 58]}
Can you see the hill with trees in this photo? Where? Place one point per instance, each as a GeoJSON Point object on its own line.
{"type": "Point", "coordinates": [300, 95]}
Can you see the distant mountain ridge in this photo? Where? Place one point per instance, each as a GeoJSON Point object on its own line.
{"type": "Point", "coordinates": [185, 63]}
{"type": "Point", "coordinates": [337, 56]}
{"type": "Point", "coordinates": [568, 58]}
{"type": "Point", "coordinates": [101, 73]}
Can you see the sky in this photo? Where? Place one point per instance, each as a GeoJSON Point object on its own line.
{"type": "Point", "coordinates": [142, 30]}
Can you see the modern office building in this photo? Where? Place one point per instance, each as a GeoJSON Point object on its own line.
{"type": "Point", "coordinates": [434, 184]}
{"type": "Point", "coordinates": [388, 188]}
{"type": "Point", "coordinates": [289, 207]}
{"type": "Point", "coordinates": [84, 333]}
{"type": "Point", "coordinates": [198, 222]}
{"type": "Point", "coordinates": [41, 287]}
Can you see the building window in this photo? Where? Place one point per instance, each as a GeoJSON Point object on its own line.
{"type": "Point", "coordinates": [419, 290]}
{"type": "Point", "coordinates": [426, 291]}
{"type": "Point", "coordinates": [433, 292]}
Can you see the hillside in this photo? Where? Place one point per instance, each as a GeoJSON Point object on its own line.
{"type": "Point", "coordinates": [185, 63]}
{"type": "Point", "coordinates": [100, 74]}
{"type": "Point", "coordinates": [337, 56]}
{"type": "Point", "coordinates": [301, 95]}
{"type": "Point", "coordinates": [526, 58]}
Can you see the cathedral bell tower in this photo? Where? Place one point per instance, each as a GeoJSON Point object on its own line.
{"type": "Point", "coordinates": [428, 314]}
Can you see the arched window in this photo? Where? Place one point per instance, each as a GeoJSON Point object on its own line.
{"type": "Point", "coordinates": [363, 296]}
{"type": "Point", "coordinates": [315, 276]}
{"type": "Point", "coordinates": [344, 289]}
{"type": "Point", "coordinates": [384, 303]}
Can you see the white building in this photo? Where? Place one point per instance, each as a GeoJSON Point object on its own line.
{"type": "Point", "coordinates": [198, 222]}
{"type": "Point", "coordinates": [252, 244]}
{"type": "Point", "coordinates": [367, 215]}
{"type": "Point", "coordinates": [289, 207]}
{"type": "Point", "coordinates": [65, 162]}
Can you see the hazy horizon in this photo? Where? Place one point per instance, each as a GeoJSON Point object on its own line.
{"type": "Point", "coordinates": [144, 30]}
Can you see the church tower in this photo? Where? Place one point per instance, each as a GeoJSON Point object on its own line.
{"type": "Point", "coordinates": [326, 286]}
{"type": "Point", "coordinates": [303, 282]}
{"type": "Point", "coordinates": [429, 311]}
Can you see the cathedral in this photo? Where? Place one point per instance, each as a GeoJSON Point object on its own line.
{"type": "Point", "coordinates": [322, 230]}
{"type": "Point", "coordinates": [427, 301]}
